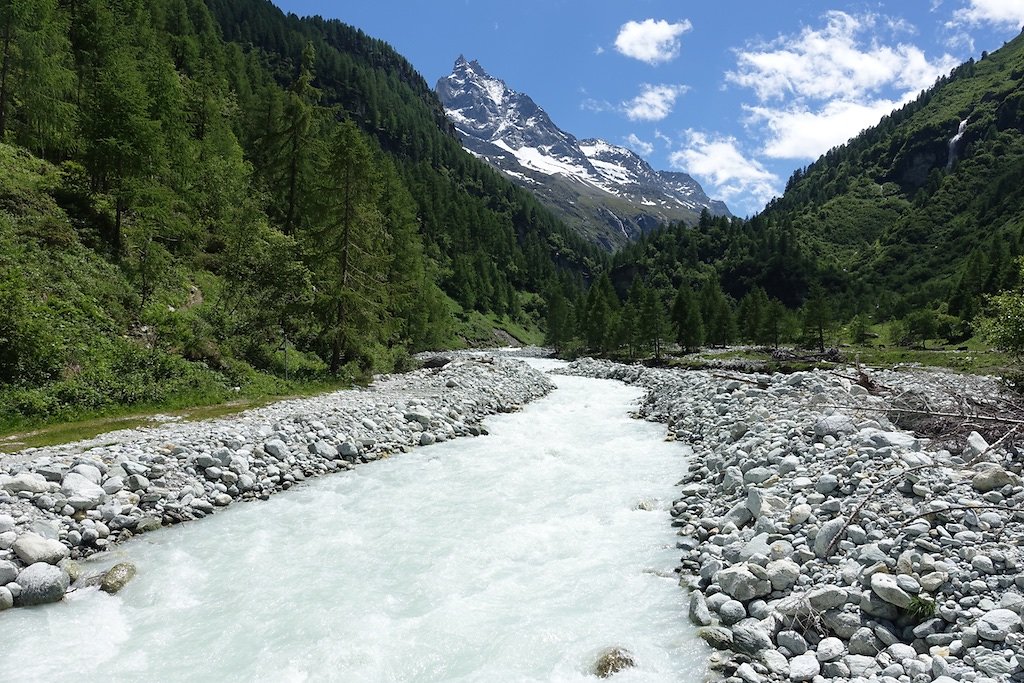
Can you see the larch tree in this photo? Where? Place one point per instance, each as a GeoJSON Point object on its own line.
{"type": "Point", "coordinates": [351, 243]}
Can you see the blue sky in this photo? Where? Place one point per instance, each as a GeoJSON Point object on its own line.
{"type": "Point", "coordinates": [738, 93]}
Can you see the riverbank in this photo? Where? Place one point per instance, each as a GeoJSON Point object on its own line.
{"type": "Point", "coordinates": [64, 503]}
{"type": "Point", "coordinates": [822, 543]}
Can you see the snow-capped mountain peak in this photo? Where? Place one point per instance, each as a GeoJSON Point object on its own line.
{"type": "Point", "coordinates": [510, 131]}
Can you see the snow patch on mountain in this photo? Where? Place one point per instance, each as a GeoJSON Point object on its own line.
{"type": "Point", "coordinates": [514, 134]}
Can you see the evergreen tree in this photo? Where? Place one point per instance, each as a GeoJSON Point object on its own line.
{"type": "Point", "coordinates": [351, 243]}
{"type": "Point", "coordinates": [35, 76]}
{"type": "Point", "coordinates": [686, 319]}
{"type": "Point", "coordinates": [817, 319]}
{"type": "Point", "coordinates": [628, 334]}
{"type": "Point", "coordinates": [653, 320]}
{"type": "Point", "coordinates": [291, 155]}
{"type": "Point", "coordinates": [124, 143]}
{"type": "Point", "coordinates": [775, 322]}
{"type": "Point", "coordinates": [601, 315]}
{"type": "Point", "coordinates": [752, 313]}
{"type": "Point", "coordinates": [716, 312]}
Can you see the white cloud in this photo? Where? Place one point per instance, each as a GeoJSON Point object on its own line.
{"type": "Point", "coordinates": [599, 50]}
{"type": "Point", "coordinates": [800, 133]}
{"type": "Point", "coordinates": [651, 41]}
{"type": "Point", "coordinates": [731, 175]}
{"type": "Point", "coordinates": [642, 147]}
{"type": "Point", "coordinates": [818, 88]}
{"type": "Point", "coordinates": [654, 102]}
{"type": "Point", "coordinates": [597, 106]}
{"type": "Point", "coordinates": [1009, 13]}
{"type": "Point", "coordinates": [835, 62]}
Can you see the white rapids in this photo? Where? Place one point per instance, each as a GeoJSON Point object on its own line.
{"type": "Point", "coordinates": [519, 556]}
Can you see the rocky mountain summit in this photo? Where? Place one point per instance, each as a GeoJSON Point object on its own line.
{"type": "Point", "coordinates": [605, 190]}
{"type": "Point", "coordinates": [821, 542]}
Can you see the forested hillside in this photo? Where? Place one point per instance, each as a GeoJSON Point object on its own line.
{"type": "Point", "coordinates": [916, 220]}
{"type": "Point", "coordinates": [188, 210]}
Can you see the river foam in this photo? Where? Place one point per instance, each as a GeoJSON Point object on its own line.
{"type": "Point", "coordinates": [514, 557]}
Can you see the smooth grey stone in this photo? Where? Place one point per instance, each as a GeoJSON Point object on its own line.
{"type": "Point", "coordinates": [698, 611]}
{"type": "Point", "coordinates": [742, 583]}
{"type": "Point", "coordinates": [32, 548]}
{"type": "Point", "coordinates": [28, 482]}
{"type": "Point", "coordinates": [749, 637]}
{"type": "Point", "coordinates": [992, 477]}
{"type": "Point", "coordinates": [792, 641]}
{"type": "Point", "coordinates": [41, 583]}
{"type": "Point", "coordinates": [997, 624]}
{"type": "Point", "coordinates": [861, 666]}
{"type": "Point", "coordinates": [732, 612]}
{"type": "Point", "coordinates": [276, 448]}
{"type": "Point", "coordinates": [865, 642]}
{"type": "Point", "coordinates": [830, 649]}
{"type": "Point", "coordinates": [843, 624]}
{"type": "Point", "coordinates": [826, 534]}
{"type": "Point", "coordinates": [90, 472]}
{"type": "Point", "coordinates": [8, 572]}
{"type": "Point", "coordinates": [827, 483]}
{"type": "Point", "coordinates": [834, 425]}
{"type": "Point", "coordinates": [804, 667]}
{"type": "Point", "coordinates": [82, 493]}
{"type": "Point", "coordinates": [827, 597]}
{"type": "Point", "coordinates": [886, 587]}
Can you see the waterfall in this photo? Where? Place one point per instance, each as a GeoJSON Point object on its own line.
{"type": "Point", "coordinates": [953, 142]}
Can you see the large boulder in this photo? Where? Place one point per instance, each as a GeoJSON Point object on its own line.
{"type": "Point", "coordinates": [32, 548]}
{"type": "Point", "coordinates": [886, 587]}
{"type": "Point", "coordinates": [744, 582]}
{"type": "Point", "coordinates": [750, 637]}
{"type": "Point", "coordinates": [26, 481]}
{"type": "Point", "coordinates": [804, 667]}
{"type": "Point", "coordinates": [997, 624]}
{"type": "Point", "coordinates": [82, 493]}
{"type": "Point", "coordinates": [834, 425]}
{"type": "Point", "coordinates": [41, 583]}
{"type": "Point", "coordinates": [992, 477]}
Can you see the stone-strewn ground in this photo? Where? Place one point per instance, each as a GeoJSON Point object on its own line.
{"type": "Point", "coordinates": [822, 543]}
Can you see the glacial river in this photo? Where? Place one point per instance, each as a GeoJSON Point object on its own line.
{"type": "Point", "coordinates": [519, 556]}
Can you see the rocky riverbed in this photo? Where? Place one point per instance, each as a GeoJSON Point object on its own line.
{"type": "Point", "coordinates": [61, 504]}
{"type": "Point", "coordinates": [822, 543]}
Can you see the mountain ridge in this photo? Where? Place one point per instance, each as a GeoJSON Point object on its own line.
{"type": "Point", "coordinates": [607, 191]}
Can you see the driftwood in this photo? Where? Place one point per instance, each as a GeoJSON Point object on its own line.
{"type": "Point", "coordinates": [860, 506]}
{"type": "Point", "coordinates": [735, 379]}
{"type": "Point", "coordinates": [964, 508]}
{"type": "Point", "coordinates": [934, 413]}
